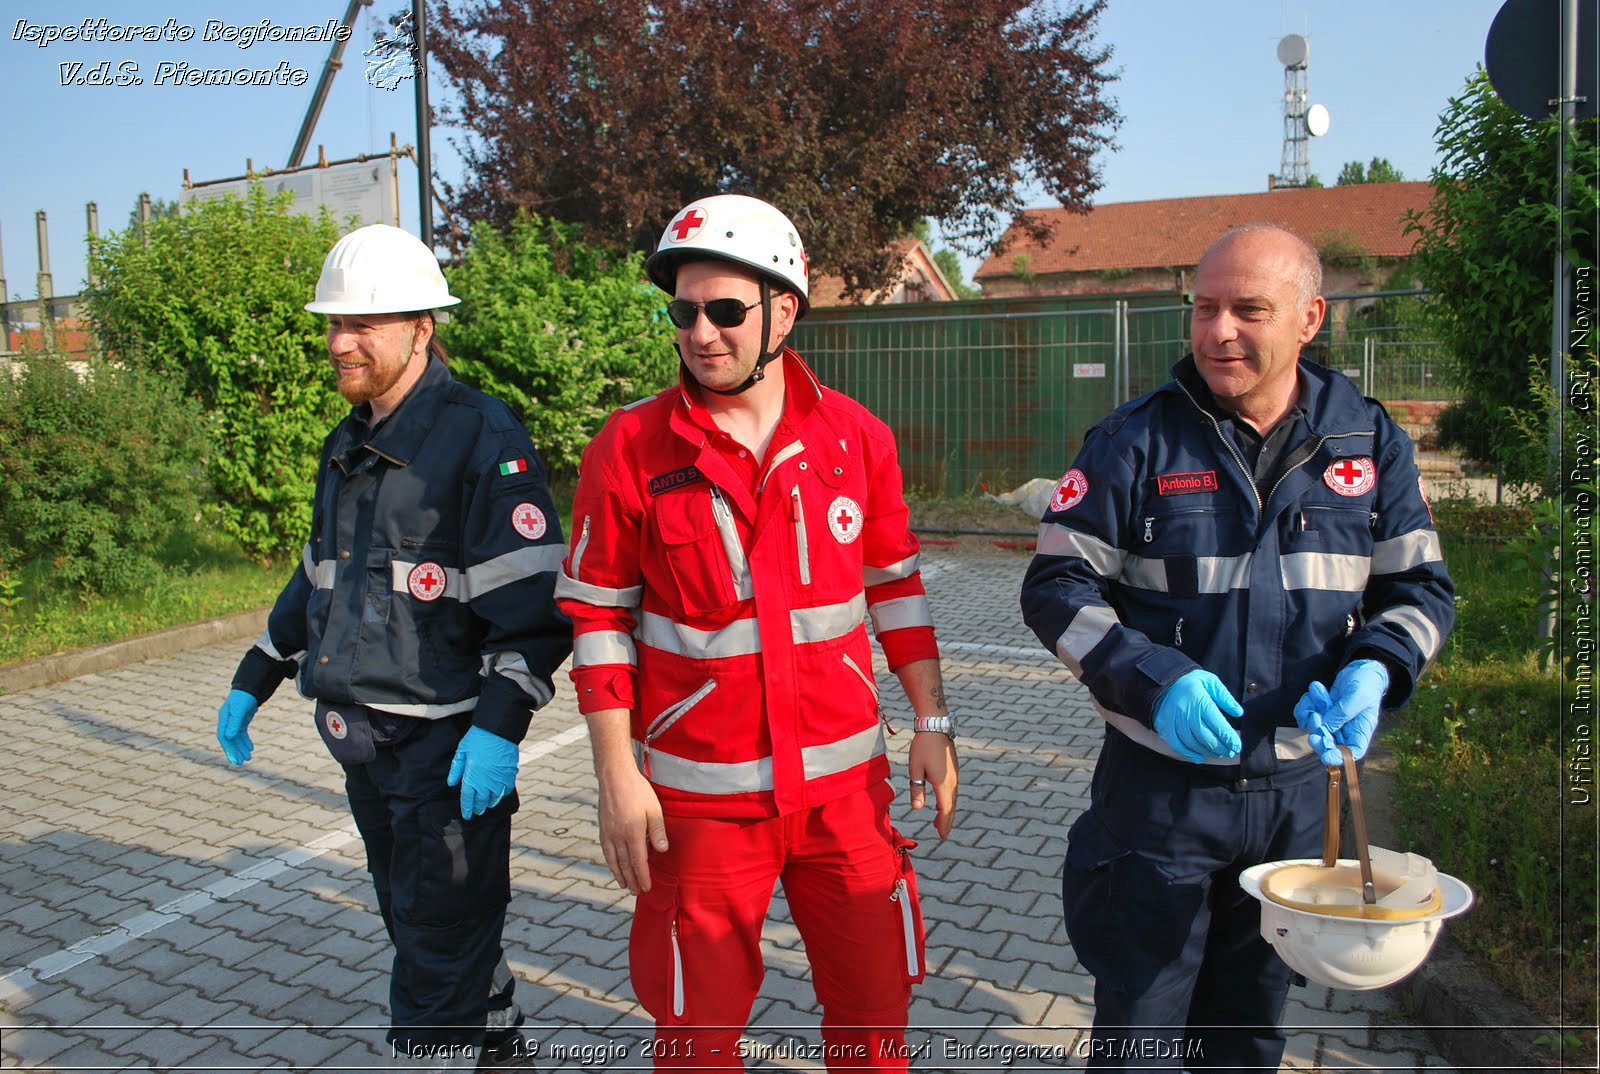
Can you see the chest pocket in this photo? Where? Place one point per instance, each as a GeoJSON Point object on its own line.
{"type": "Point", "coordinates": [691, 526]}
{"type": "Point", "coordinates": [1342, 529]}
{"type": "Point", "coordinates": [1189, 549]}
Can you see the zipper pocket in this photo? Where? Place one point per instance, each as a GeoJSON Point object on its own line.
{"type": "Point", "coordinates": [1177, 634]}
{"type": "Point", "coordinates": [799, 514]}
{"type": "Point", "coordinates": [728, 531]}
{"type": "Point", "coordinates": [577, 549]}
{"type": "Point", "coordinates": [677, 973]}
{"type": "Point", "coordinates": [671, 715]}
{"type": "Point", "coordinates": [872, 687]}
{"type": "Point", "coordinates": [908, 926]}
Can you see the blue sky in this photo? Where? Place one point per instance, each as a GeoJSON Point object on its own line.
{"type": "Point", "coordinates": [1200, 94]}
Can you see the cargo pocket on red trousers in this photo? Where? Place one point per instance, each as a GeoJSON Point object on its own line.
{"type": "Point", "coordinates": [655, 957]}
{"type": "Point", "coordinates": [909, 906]}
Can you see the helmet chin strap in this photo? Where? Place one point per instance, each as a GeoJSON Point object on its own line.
{"type": "Point", "coordinates": [766, 355]}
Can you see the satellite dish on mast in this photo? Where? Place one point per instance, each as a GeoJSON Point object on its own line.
{"type": "Point", "coordinates": [1293, 51]}
{"type": "Point", "coordinates": [1317, 120]}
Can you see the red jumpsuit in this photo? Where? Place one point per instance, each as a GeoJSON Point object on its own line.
{"type": "Point", "coordinates": [724, 604]}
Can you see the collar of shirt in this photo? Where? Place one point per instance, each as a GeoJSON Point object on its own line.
{"type": "Point", "coordinates": [399, 436]}
{"type": "Point", "coordinates": [801, 394]}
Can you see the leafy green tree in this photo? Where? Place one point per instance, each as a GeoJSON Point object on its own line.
{"type": "Point", "coordinates": [561, 331]}
{"type": "Point", "coordinates": [1486, 247]}
{"type": "Point", "coordinates": [949, 263]}
{"type": "Point", "coordinates": [858, 119]}
{"type": "Point", "coordinates": [98, 468]}
{"type": "Point", "coordinates": [213, 302]}
{"type": "Point", "coordinates": [1379, 171]}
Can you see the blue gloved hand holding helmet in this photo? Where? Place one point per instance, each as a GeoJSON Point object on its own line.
{"type": "Point", "coordinates": [1346, 715]}
{"type": "Point", "coordinates": [233, 724]}
{"type": "Point", "coordinates": [1190, 717]}
{"type": "Point", "coordinates": [485, 767]}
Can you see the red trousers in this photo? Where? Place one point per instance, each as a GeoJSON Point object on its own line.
{"type": "Point", "coordinates": [695, 949]}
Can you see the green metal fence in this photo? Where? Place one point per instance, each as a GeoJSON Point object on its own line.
{"type": "Point", "coordinates": [996, 391]}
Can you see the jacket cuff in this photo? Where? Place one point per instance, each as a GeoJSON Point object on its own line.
{"type": "Point", "coordinates": [1401, 682]}
{"type": "Point", "coordinates": [503, 709]}
{"type": "Point", "coordinates": [1159, 670]}
{"type": "Point", "coordinates": [602, 688]}
{"type": "Point", "coordinates": [907, 645]}
{"type": "Point", "coordinates": [259, 675]}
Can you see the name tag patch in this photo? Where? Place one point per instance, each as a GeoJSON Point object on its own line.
{"type": "Point", "coordinates": [675, 479]}
{"type": "Point", "coordinates": [1178, 484]}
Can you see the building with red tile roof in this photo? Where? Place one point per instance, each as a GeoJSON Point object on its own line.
{"type": "Point", "coordinates": [918, 280]}
{"type": "Point", "coordinates": [1134, 246]}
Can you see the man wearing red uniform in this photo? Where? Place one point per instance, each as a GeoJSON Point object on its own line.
{"type": "Point", "coordinates": [732, 535]}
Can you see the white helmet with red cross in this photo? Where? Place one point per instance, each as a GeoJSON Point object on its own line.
{"type": "Point", "coordinates": [733, 227]}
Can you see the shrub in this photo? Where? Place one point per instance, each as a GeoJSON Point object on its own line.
{"type": "Point", "coordinates": [97, 472]}
{"type": "Point", "coordinates": [561, 331]}
{"type": "Point", "coordinates": [213, 302]}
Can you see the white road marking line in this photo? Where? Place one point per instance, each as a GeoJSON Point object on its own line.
{"type": "Point", "coordinates": [19, 982]}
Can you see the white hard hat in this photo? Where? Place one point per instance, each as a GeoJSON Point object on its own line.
{"type": "Point", "coordinates": [1332, 948]}
{"type": "Point", "coordinates": [381, 269]}
{"type": "Point", "coordinates": [732, 227]}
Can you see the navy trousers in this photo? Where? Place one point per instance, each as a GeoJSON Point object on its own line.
{"type": "Point", "coordinates": [442, 883]}
{"type": "Point", "coordinates": [1155, 912]}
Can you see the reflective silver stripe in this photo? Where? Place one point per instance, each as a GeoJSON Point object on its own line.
{"type": "Point", "coordinates": [514, 666]}
{"type": "Point", "coordinates": [901, 612]}
{"type": "Point", "coordinates": [738, 638]}
{"type": "Point", "coordinates": [400, 579]}
{"type": "Point", "coordinates": [1406, 551]}
{"type": "Point", "coordinates": [603, 647]}
{"type": "Point", "coordinates": [1149, 739]}
{"type": "Point", "coordinates": [1322, 570]}
{"type": "Point", "coordinates": [1214, 574]}
{"type": "Point", "coordinates": [264, 643]}
{"type": "Point", "coordinates": [1291, 744]}
{"type": "Point", "coordinates": [423, 712]}
{"type": "Point", "coordinates": [578, 549]}
{"type": "Point", "coordinates": [1413, 622]}
{"type": "Point", "coordinates": [1057, 540]}
{"type": "Point", "coordinates": [511, 567]}
{"type": "Point", "coordinates": [827, 621]}
{"type": "Point", "coordinates": [1087, 629]}
{"type": "Point", "coordinates": [892, 573]}
{"type": "Point", "coordinates": [787, 452]}
{"type": "Point", "coordinates": [601, 597]}
{"type": "Point", "coordinates": [742, 777]}
{"type": "Point", "coordinates": [738, 565]}
{"type": "Point", "coordinates": [319, 573]}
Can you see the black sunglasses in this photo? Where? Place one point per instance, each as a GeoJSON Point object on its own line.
{"type": "Point", "coordinates": [722, 312]}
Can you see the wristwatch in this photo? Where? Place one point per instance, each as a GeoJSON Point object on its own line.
{"type": "Point", "coordinates": [945, 725]}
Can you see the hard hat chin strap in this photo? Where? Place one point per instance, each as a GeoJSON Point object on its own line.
{"type": "Point", "coordinates": [767, 354]}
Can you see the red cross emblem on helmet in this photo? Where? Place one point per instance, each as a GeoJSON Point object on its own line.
{"type": "Point", "coordinates": [687, 225]}
{"type": "Point", "coordinates": [426, 581]}
{"type": "Point", "coordinates": [1351, 477]}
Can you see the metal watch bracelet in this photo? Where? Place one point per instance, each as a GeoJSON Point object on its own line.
{"type": "Point", "coordinates": [945, 725]}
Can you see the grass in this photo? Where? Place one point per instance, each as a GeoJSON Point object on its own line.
{"type": "Point", "coordinates": [202, 576]}
{"type": "Point", "coordinates": [1482, 786]}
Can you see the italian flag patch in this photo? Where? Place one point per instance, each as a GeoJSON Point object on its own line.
{"type": "Point", "coordinates": [515, 466]}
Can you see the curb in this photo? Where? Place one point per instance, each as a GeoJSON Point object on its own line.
{"type": "Point", "coordinates": [162, 643]}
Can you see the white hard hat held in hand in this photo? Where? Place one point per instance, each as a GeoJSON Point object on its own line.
{"type": "Point", "coordinates": [381, 269]}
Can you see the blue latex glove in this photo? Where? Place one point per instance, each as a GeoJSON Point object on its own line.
{"type": "Point", "coordinates": [1189, 716]}
{"type": "Point", "coordinates": [233, 723]}
{"type": "Point", "coordinates": [1347, 715]}
{"type": "Point", "coordinates": [485, 766]}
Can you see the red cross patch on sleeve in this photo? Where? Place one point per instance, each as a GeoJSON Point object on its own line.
{"type": "Point", "coordinates": [1070, 492]}
{"type": "Point", "coordinates": [1351, 477]}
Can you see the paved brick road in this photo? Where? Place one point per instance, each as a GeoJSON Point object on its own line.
{"type": "Point", "coordinates": [160, 910]}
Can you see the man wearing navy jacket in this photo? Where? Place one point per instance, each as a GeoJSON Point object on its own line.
{"type": "Point", "coordinates": [1242, 569]}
